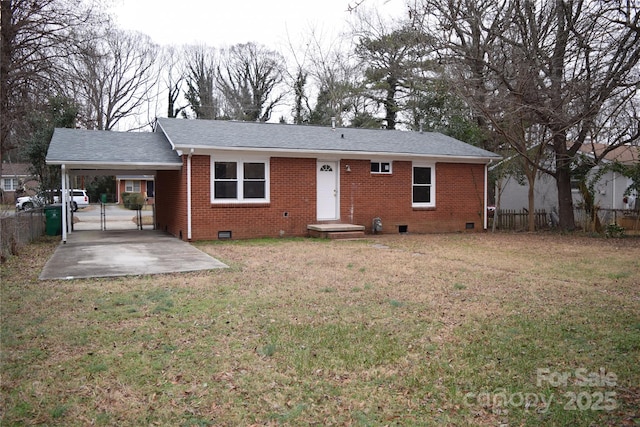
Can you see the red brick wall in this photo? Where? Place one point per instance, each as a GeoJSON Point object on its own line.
{"type": "Point", "coordinates": [459, 197]}
{"type": "Point", "coordinates": [363, 196]}
{"type": "Point", "coordinates": [171, 201]}
{"type": "Point", "coordinates": [293, 187]}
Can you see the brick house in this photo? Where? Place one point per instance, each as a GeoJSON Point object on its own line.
{"type": "Point", "coordinates": [16, 180]}
{"type": "Point", "coordinates": [245, 180]}
{"type": "Point", "coordinates": [143, 184]}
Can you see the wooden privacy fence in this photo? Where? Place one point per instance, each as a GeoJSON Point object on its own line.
{"type": "Point", "coordinates": [19, 229]}
{"type": "Point", "coordinates": [511, 219]}
{"type": "Point", "coordinates": [628, 219]}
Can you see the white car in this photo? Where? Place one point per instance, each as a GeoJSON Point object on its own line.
{"type": "Point", "coordinates": [80, 199]}
{"type": "Point", "coordinates": [27, 203]}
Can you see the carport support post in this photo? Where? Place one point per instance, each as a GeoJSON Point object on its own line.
{"type": "Point", "coordinates": [63, 199]}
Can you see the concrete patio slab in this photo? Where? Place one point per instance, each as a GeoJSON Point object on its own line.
{"type": "Point", "coordinates": [123, 253]}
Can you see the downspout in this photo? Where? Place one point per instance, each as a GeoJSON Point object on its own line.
{"type": "Point", "coordinates": [189, 194]}
{"type": "Point", "coordinates": [63, 199]}
{"type": "Point", "coordinates": [486, 193]}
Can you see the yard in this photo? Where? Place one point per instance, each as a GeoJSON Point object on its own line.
{"type": "Point", "coordinates": [456, 329]}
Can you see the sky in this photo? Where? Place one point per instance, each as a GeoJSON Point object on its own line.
{"type": "Point", "coordinates": [222, 23]}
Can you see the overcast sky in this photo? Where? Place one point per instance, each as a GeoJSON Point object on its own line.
{"type": "Point", "coordinates": [222, 23]}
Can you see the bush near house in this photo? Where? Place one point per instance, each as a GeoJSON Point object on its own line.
{"type": "Point", "coordinates": [133, 201]}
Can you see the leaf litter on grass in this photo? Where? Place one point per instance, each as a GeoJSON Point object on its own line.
{"type": "Point", "coordinates": [281, 337]}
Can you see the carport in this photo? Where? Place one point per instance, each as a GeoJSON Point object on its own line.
{"type": "Point", "coordinates": [116, 253]}
{"type": "Point", "coordinates": [81, 152]}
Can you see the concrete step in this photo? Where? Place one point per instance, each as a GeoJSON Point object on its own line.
{"type": "Point", "coordinates": [336, 231]}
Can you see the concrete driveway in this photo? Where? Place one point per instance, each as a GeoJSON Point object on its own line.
{"type": "Point", "coordinates": [123, 253]}
{"type": "Point", "coordinates": [116, 217]}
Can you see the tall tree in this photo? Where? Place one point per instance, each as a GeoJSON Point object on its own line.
{"type": "Point", "coordinates": [337, 77]}
{"type": "Point", "coordinates": [112, 74]}
{"type": "Point", "coordinates": [59, 112]}
{"type": "Point", "coordinates": [202, 94]}
{"type": "Point", "coordinates": [34, 36]}
{"type": "Point", "coordinates": [301, 107]}
{"type": "Point", "coordinates": [576, 58]}
{"type": "Point", "coordinates": [248, 77]}
{"type": "Point", "coordinates": [173, 77]}
{"type": "Point", "coordinates": [394, 56]}
{"type": "Point", "coordinates": [434, 106]}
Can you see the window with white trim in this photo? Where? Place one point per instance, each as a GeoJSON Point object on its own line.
{"type": "Point", "coordinates": [380, 167]}
{"type": "Point", "coordinates": [131, 186]}
{"type": "Point", "coordinates": [243, 180]}
{"type": "Point", "coordinates": [9, 184]}
{"type": "Point", "coordinates": [424, 186]}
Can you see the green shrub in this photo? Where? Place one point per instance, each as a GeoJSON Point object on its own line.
{"type": "Point", "coordinates": [133, 201]}
{"type": "Point", "coordinates": [614, 230]}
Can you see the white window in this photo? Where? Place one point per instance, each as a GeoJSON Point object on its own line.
{"type": "Point", "coordinates": [235, 180]}
{"type": "Point", "coordinates": [132, 186]}
{"type": "Point", "coordinates": [9, 184]}
{"type": "Point", "coordinates": [380, 167]}
{"type": "Point", "coordinates": [424, 186]}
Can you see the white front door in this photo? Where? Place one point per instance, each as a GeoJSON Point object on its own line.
{"type": "Point", "coordinates": [327, 197]}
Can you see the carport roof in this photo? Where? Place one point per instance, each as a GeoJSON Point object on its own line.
{"type": "Point", "coordinates": [95, 149]}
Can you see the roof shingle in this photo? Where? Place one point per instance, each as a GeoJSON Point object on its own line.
{"type": "Point", "coordinates": [107, 147]}
{"type": "Point", "coordinates": [185, 134]}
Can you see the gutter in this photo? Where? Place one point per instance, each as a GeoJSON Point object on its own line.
{"type": "Point", "coordinates": [341, 154]}
{"type": "Point", "coordinates": [486, 195]}
{"type": "Point", "coordinates": [116, 165]}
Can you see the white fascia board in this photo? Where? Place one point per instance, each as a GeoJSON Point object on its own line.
{"type": "Point", "coordinates": [116, 165]}
{"type": "Point", "coordinates": [333, 154]}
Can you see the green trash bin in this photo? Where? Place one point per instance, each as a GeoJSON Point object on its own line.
{"type": "Point", "coordinates": [103, 198]}
{"type": "Point", "coordinates": [53, 215]}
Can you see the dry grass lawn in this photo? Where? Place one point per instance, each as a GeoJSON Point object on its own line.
{"type": "Point", "coordinates": [457, 329]}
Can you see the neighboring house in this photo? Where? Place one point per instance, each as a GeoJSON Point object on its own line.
{"type": "Point", "coordinates": [609, 190]}
{"type": "Point", "coordinates": [144, 184]}
{"type": "Point", "coordinates": [16, 179]}
{"type": "Point", "coordinates": [221, 179]}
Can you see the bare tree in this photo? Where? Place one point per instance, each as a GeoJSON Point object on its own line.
{"type": "Point", "coordinates": [576, 58]}
{"type": "Point", "coordinates": [248, 76]}
{"type": "Point", "coordinates": [299, 81]}
{"type": "Point", "coordinates": [201, 63]}
{"type": "Point", "coordinates": [337, 77]}
{"type": "Point", "coordinates": [34, 37]}
{"type": "Point", "coordinates": [173, 76]}
{"type": "Point", "coordinates": [112, 75]}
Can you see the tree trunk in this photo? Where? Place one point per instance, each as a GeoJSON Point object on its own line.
{"type": "Point", "coordinates": [531, 177]}
{"type": "Point", "coordinates": [6, 42]}
{"type": "Point", "coordinates": [390, 103]}
{"type": "Point", "coordinates": [565, 198]}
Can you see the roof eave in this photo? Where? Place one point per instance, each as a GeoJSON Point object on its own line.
{"type": "Point", "coordinates": [166, 135]}
{"type": "Point", "coordinates": [117, 165]}
{"type": "Point", "coordinates": [207, 149]}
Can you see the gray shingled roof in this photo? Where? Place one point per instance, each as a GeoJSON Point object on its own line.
{"type": "Point", "coordinates": [97, 148]}
{"type": "Point", "coordinates": [206, 134]}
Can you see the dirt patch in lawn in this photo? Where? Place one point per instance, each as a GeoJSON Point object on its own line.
{"type": "Point", "coordinates": [392, 330]}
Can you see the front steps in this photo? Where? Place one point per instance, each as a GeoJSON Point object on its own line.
{"type": "Point", "coordinates": [336, 231]}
